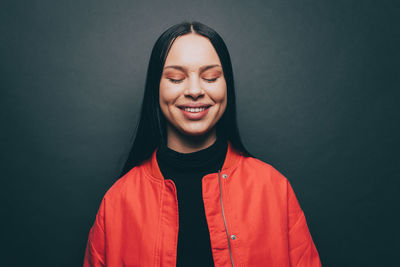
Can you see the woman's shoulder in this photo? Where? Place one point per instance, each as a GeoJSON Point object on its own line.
{"type": "Point", "coordinates": [263, 169]}
{"type": "Point", "coordinates": [126, 184]}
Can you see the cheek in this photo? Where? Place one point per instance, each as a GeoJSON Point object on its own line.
{"type": "Point", "coordinates": [163, 100]}
{"type": "Point", "coordinates": [220, 94]}
{"type": "Point", "coordinates": [222, 98]}
{"type": "Point", "coordinates": [166, 94]}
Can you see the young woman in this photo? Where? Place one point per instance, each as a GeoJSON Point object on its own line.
{"type": "Point", "coordinates": [190, 193]}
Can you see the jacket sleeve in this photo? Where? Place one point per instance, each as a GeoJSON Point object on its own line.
{"type": "Point", "coordinates": [95, 247]}
{"type": "Point", "coordinates": [302, 251]}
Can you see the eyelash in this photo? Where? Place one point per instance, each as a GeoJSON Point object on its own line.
{"type": "Point", "coordinates": [179, 81]}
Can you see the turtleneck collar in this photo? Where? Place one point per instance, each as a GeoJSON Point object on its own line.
{"type": "Point", "coordinates": [208, 158]}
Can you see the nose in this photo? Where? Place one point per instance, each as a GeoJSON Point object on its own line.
{"type": "Point", "coordinates": [194, 88]}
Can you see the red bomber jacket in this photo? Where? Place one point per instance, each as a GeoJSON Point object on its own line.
{"type": "Point", "coordinates": [252, 213]}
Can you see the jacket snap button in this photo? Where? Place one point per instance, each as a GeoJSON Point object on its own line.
{"type": "Point", "coordinates": [224, 175]}
{"type": "Point", "coordinates": [233, 237]}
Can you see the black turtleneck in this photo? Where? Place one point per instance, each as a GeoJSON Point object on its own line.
{"type": "Point", "coordinates": [187, 170]}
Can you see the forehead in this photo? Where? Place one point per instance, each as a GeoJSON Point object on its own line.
{"type": "Point", "coordinates": [192, 51]}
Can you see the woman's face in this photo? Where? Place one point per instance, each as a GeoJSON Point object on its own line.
{"type": "Point", "coordinates": [193, 94]}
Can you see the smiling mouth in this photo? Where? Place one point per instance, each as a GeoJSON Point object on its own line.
{"type": "Point", "coordinates": [194, 110]}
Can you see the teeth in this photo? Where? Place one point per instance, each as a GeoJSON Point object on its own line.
{"type": "Point", "coordinates": [194, 109]}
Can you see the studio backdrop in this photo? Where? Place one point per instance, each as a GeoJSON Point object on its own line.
{"type": "Point", "coordinates": [317, 97]}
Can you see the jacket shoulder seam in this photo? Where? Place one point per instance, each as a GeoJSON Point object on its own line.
{"type": "Point", "coordinates": [96, 253]}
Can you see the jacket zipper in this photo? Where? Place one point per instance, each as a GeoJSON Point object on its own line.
{"type": "Point", "coordinates": [223, 216]}
{"type": "Point", "coordinates": [177, 207]}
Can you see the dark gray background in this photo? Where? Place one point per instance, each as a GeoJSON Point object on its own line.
{"type": "Point", "coordinates": [317, 94]}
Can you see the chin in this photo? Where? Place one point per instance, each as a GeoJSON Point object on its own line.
{"type": "Point", "coordinates": [195, 132]}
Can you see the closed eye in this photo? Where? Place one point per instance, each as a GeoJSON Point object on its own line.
{"type": "Point", "coordinates": [211, 80]}
{"type": "Point", "coordinates": [175, 81]}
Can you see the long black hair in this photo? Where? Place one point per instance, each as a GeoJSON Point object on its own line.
{"type": "Point", "coordinates": [151, 127]}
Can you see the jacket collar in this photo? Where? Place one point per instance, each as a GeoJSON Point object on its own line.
{"type": "Point", "coordinates": [231, 161]}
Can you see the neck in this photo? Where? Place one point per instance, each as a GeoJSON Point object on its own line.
{"type": "Point", "coordinates": [189, 143]}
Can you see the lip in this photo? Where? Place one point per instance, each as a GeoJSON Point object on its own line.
{"type": "Point", "coordinates": [194, 105]}
{"type": "Point", "coordinates": [195, 115]}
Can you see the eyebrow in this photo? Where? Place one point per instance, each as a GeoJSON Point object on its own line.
{"type": "Point", "coordinates": [202, 69]}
